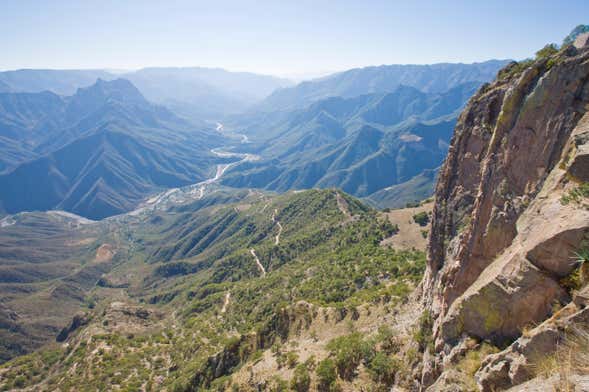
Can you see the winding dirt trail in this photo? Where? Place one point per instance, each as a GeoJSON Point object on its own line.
{"type": "Point", "coordinates": [226, 302]}
{"type": "Point", "coordinates": [342, 205]}
{"type": "Point", "coordinates": [277, 238]}
{"type": "Point", "coordinates": [260, 266]}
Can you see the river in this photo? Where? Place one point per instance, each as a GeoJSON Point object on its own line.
{"type": "Point", "coordinates": [198, 190]}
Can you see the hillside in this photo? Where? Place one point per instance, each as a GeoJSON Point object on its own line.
{"type": "Point", "coordinates": [182, 288]}
{"type": "Point", "coordinates": [362, 145]}
{"type": "Point", "coordinates": [294, 196]}
{"type": "Point", "coordinates": [435, 78]}
{"type": "Point", "coordinates": [98, 152]}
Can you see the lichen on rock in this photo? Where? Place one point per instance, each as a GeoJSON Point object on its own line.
{"type": "Point", "coordinates": [501, 240]}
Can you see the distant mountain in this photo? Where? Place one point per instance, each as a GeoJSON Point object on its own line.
{"type": "Point", "coordinates": [102, 149]}
{"type": "Point", "coordinates": [434, 78]}
{"type": "Point", "coordinates": [98, 152]}
{"type": "Point", "coordinates": [204, 92]}
{"type": "Point", "coordinates": [195, 93]}
{"type": "Point", "coordinates": [26, 121]}
{"type": "Point", "coordinates": [40, 123]}
{"type": "Point", "coordinates": [361, 145]}
{"type": "Point", "coordinates": [62, 82]}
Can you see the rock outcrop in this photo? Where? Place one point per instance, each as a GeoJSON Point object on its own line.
{"type": "Point", "coordinates": [516, 364]}
{"type": "Point", "coordinates": [504, 228]}
{"type": "Point", "coordinates": [79, 320]}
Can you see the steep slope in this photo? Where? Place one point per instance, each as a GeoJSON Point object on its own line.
{"type": "Point", "coordinates": [25, 119]}
{"type": "Point", "coordinates": [187, 294]}
{"type": "Point", "coordinates": [52, 263]}
{"type": "Point", "coordinates": [100, 151]}
{"type": "Point", "coordinates": [40, 123]}
{"type": "Point", "coordinates": [436, 78]}
{"type": "Point", "coordinates": [385, 109]}
{"type": "Point", "coordinates": [21, 113]}
{"type": "Point", "coordinates": [361, 145]}
{"type": "Point", "coordinates": [418, 188]}
{"type": "Point", "coordinates": [510, 230]}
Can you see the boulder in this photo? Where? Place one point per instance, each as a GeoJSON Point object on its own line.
{"type": "Point", "coordinates": [582, 41]}
{"type": "Point", "coordinates": [516, 364]}
{"type": "Point", "coordinates": [580, 165]}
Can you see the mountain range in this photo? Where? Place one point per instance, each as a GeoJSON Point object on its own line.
{"type": "Point", "coordinates": [434, 78]}
{"type": "Point", "coordinates": [363, 144]}
{"type": "Point", "coordinates": [248, 281]}
{"type": "Point", "coordinates": [97, 152]}
{"type": "Point", "coordinates": [193, 92]}
{"type": "Point", "coordinates": [103, 149]}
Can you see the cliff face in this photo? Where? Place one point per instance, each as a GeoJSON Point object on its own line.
{"type": "Point", "coordinates": [504, 229]}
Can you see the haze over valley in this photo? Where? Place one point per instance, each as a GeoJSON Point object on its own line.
{"type": "Point", "coordinates": [178, 214]}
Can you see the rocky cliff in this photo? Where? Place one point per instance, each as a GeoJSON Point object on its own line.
{"type": "Point", "coordinates": [510, 225]}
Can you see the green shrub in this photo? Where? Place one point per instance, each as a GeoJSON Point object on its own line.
{"type": "Point", "coordinates": [348, 352]}
{"type": "Point", "coordinates": [421, 218]}
{"type": "Point", "coordinates": [580, 275]}
{"type": "Point", "coordinates": [383, 368]}
{"type": "Point", "coordinates": [388, 341]}
{"type": "Point", "coordinates": [576, 195]}
{"type": "Point", "coordinates": [424, 334]}
{"type": "Point", "coordinates": [514, 68]}
{"type": "Point", "coordinates": [292, 358]}
{"type": "Point", "coordinates": [326, 374]}
{"type": "Point", "coordinates": [19, 382]}
{"type": "Point", "coordinates": [279, 385]}
{"type": "Point", "coordinates": [546, 51]}
{"type": "Point", "coordinates": [301, 380]}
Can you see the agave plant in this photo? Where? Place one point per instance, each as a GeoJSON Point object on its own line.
{"type": "Point", "coordinates": [582, 256]}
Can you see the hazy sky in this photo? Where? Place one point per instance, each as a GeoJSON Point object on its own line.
{"type": "Point", "coordinates": [277, 37]}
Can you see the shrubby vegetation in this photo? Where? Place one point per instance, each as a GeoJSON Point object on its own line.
{"type": "Point", "coordinates": [301, 380]}
{"type": "Point", "coordinates": [319, 260]}
{"type": "Point", "coordinates": [423, 334]}
{"type": "Point", "coordinates": [517, 67]}
{"type": "Point", "coordinates": [346, 353]}
{"type": "Point", "coordinates": [326, 374]}
{"type": "Point", "coordinates": [577, 195]}
{"type": "Point", "coordinates": [421, 218]}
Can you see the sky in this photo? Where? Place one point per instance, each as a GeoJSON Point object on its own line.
{"type": "Point", "coordinates": [279, 37]}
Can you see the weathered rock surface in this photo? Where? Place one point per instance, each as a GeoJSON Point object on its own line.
{"type": "Point", "coordinates": [582, 40]}
{"type": "Point", "coordinates": [516, 364]}
{"type": "Point", "coordinates": [576, 383]}
{"type": "Point", "coordinates": [580, 165]}
{"type": "Point", "coordinates": [501, 238]}
{"type": "Point", "coordinates": [79, 320]}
